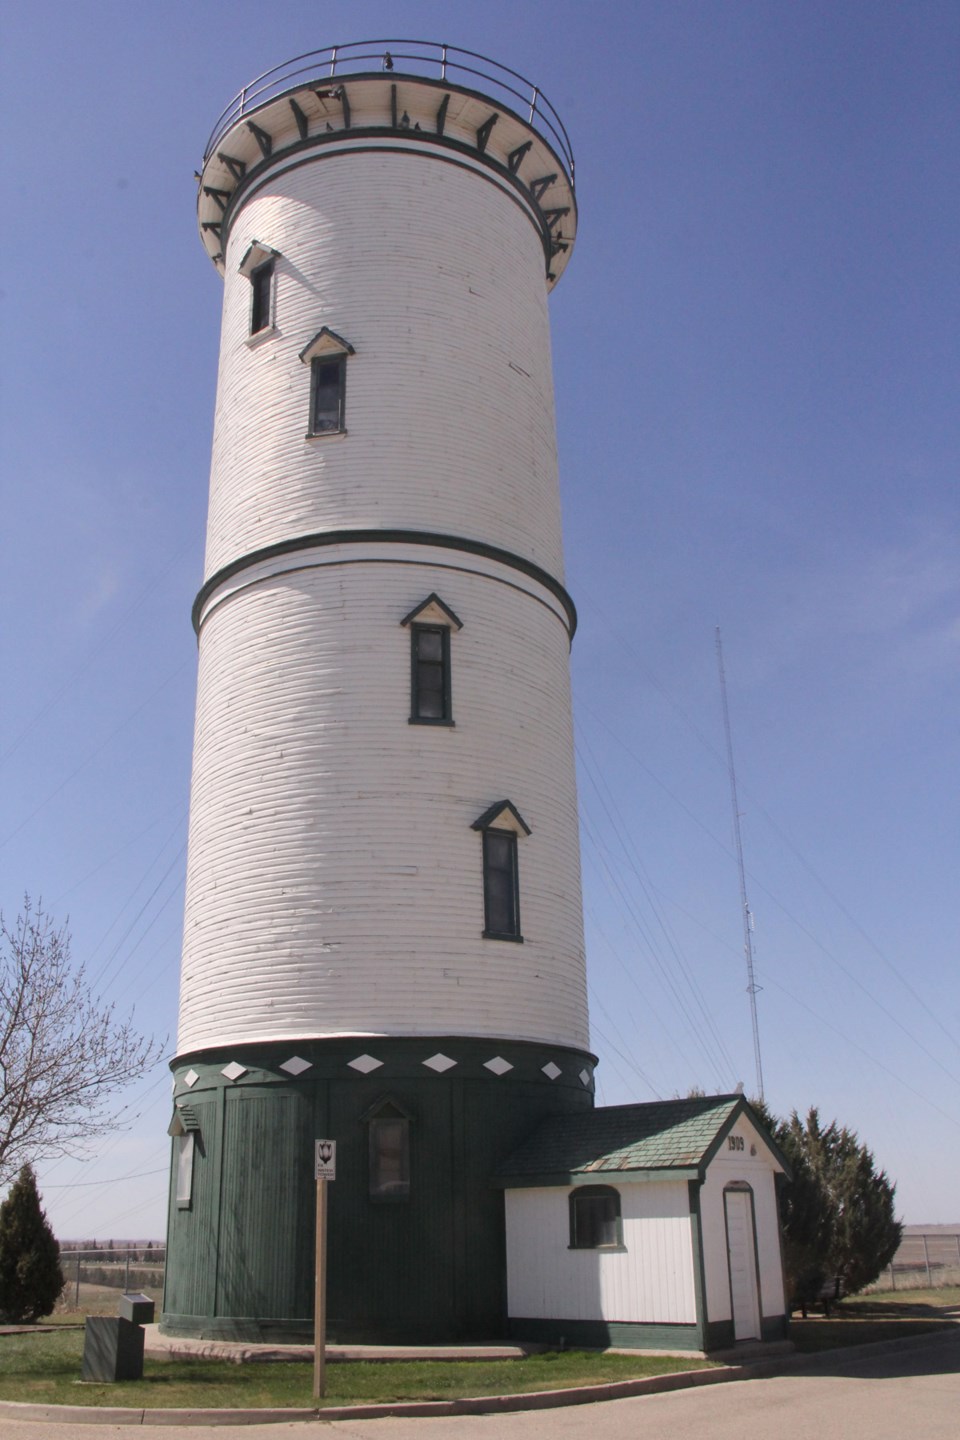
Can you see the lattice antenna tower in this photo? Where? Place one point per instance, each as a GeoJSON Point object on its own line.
{"type": "Point", "coordinates": [752, 986]}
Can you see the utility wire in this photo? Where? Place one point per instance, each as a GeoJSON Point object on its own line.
{"type": "Point", "coordinates": [621, 830]}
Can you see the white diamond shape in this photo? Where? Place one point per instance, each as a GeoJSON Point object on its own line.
{"type": "Point", "coordinates": [550, 1070]}
{"type": "Point", "coordinates": [296, 1065]}
{"type": "Point", "coordinates": [365, 1063]}
{"type": "Point", "coordinates": [439, 1062]}
{"type": "Point", "coordinates": [584, 1076]}
{"type": "Point", "coordinates": [190, 1079]}
{"type": "Point", "coordinates": [498, 1065]}
{"type": "Point", "coordinates": [233, 1071]}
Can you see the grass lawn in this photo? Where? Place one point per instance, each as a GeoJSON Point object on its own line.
{"type": "Point", "coordinates": [45, 1369]}
{"type": "Point", "coordinates": [883, 1315]}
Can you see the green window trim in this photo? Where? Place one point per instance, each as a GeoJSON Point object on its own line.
{"type": "Point", "coordinates": [501, 886]}
{"type": "Point", "coordinates": [328, 384]}
{"type": "Point", "coordinates": [261, 297]}
{"type": "Point", "coordinates": [430, 681]}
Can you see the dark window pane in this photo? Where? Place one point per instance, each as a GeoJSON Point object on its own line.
{"type": "Point", "coordinates": [430, 644]}
{"type": "Point", "coordinates": [595, 1220]}
{"type": "Point", "coordinates": [326, 396]}
{"type": "Point", "coordinates": [500, 882]}
{"type": "Point", "coordinates": [430, 676]}
{"type": "Point", "coordinates": [431, 686]}
{"type": "Point", "coordinates": [262, 282]}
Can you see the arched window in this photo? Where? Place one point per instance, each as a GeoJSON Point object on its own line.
{"type": "Point", "coordinates": [595, 1218]}
{"type": "Point", "coordinates": [388, 1150]}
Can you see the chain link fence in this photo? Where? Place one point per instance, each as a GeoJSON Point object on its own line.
{"type": "Point", "coordinates": [97, 1277]}
{"type": "Point", "coordinates": [926, 1259]}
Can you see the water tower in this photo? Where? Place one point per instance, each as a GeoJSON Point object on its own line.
{"type": "Point", "coordinates": [383, 938]}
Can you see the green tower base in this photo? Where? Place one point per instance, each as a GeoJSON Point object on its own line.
{"type": "Point", "coordinates": [428, 1266]}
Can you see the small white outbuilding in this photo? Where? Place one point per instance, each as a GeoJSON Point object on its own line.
{"type": "Point", "coordinates": [646, 1226]}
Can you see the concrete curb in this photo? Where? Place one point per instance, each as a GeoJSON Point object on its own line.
{"type": "Point", "coordinates": [472, 1405]}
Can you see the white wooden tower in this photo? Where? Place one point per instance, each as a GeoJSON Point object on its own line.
{"type": "Point", "coordinates": [383, 937]}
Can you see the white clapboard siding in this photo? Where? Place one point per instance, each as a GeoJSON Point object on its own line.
{"type": "Point", "coordinates": [649, 1281]}
{"type": "Point", "coordinates": [756, 1170]}
{"type": "Point", "coordinates": [334, 883]}
{"type": "Point", "coordinates": [435, 276]}
{"type": "Point", "coordinates": [314, 799]}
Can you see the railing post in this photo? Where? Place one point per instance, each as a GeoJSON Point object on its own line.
{"type": "Point", "coordinates": [533, 102]}
{"type": "Point", "coordinates": [443, 64]}
{"type": "Point", "coordinates": [76, 1298]}
{"type": "Point", "coordinates": [333, 60]}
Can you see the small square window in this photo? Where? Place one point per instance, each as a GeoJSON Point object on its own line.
{"type": "Point", "coordinates": [327, 386]}
{"type": "Point", "coordinates": [261, 305]}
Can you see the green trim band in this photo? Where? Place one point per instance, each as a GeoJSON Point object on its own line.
{"type": "Point", "coordinates": [385, 537]}
{"type": "Point", "coordinates": [399, 1056]}
{"type": "Point", "coordinates": [601, 1334]}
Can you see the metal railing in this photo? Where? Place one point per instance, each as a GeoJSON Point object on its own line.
{"type": "Point", "coordinates": [402, 57]}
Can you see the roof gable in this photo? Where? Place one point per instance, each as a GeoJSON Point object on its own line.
{"type": "Point", "coordinates": [502, 815]}
{"type": "Point", "coordinates": [432, 611]}
{"type": "Point", "coordinates": [325, 342]}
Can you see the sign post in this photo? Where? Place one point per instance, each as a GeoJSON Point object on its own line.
{"type": "Point", "coordinates": [325, 1168]}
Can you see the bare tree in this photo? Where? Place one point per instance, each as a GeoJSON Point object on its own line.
{"type": "Point", "coordinates": [62, 1049]}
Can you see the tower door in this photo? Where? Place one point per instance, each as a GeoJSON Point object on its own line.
{"type": "Point", "coordinates": [742, 1258]}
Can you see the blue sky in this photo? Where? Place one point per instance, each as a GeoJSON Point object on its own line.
{"type": "Point", "coordinates": [756, 373]}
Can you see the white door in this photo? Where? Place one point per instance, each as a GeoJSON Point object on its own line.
{"type": "Point", "coordinates": [744, 1290]}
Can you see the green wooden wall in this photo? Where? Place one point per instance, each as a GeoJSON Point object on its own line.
{"type": "Point", "coordinates": [430, 1267]}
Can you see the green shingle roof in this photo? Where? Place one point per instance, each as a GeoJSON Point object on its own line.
{"type": "Point", "coordinates": [664, 1135]}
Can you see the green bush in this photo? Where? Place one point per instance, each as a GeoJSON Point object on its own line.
{"type": "Point", "coordinates": [30, 1274]}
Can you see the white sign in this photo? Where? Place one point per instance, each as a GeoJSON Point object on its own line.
{"type": "Point", "coordinates": [325, 1160]}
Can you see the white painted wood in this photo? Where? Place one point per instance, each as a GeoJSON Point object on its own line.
{"type": "Point", "coordinates": [334, 884]}
{"type": "Point", "coordinates": [741, 1257]}
{"type": "Point", "coordinates": [436, 278]}
{"type": "Point", "coordinates": [650, 1281]}
{"type": "Point", "coordinates": [755, 1166]}
{"type": "Point", "coordinates": [371, 105]}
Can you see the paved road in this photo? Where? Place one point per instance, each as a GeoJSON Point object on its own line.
{"type": "Point", "coordinates": [911, 1395]}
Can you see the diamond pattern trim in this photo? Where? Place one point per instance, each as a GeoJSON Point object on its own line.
{"type": "Point", "coordinates": [550, 1070]}
{"type": "Point", "coordinates": [585, 1076]}
{"type": "Point", "coordinates": [439, 1063]}
{"type": "Point", "coordinates": [365, 1063]}
{"type": "Point", "coordinates": [233, 1071]}
{"type": "Point", "coordinates": [498, 1065]}
{"type": "Point", "coordinates": [296, 1065]}
{"type": "Point", "coordinates": [190, 1079]}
